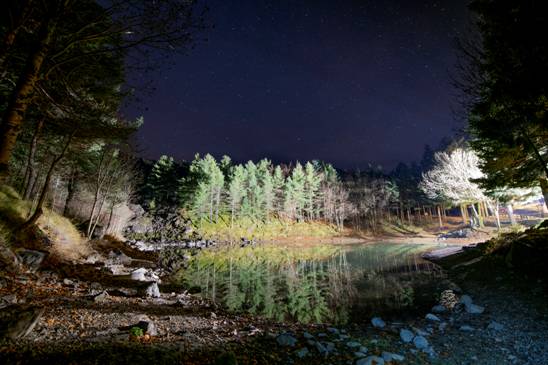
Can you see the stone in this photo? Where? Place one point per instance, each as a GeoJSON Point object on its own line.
{"type": "Point", "coordinates": [308, 335]}
{"type": "Point", "coordinates": [371, 360]}
{"type": "Point", "coordinates": [32, 259]}
{"type": "Point", "coordinates": [420, 342]}
{"type": "Point", "coordinates": [432, 317]}
{"type": "Point", "coordinates": [442, 326]}
{"type": "Point", "coordinates": [321, 348]}
{"type": "Point", "coordinates": [302, 352]}
{"type": "Point", "coordinates": [363, 349]}
{"type": "Point", "coordinates": [377, 322]}
{"type": "Point", "coordinates": [95, 286]}
{"type": "Point", "coordinates": [353, 344]}
{"type": "Point", "coordinates": [153, 291]}
{"type": "Point", "coordinates": [495, 326]}
{"type": "Point", "coordinates": [474, 309]}
{"type": "Point", "coordinates": [101, 297]}
{"type": "Point", "coordinates": [360, 354]}
{"type": "Point", "coordinates": [68, 281]}
{"type": "Point", "coordinates": [439, 309]}
{"type": "Point", "coordinates": [406, 335]}
{"type": "Point", "coordinates": [466, 328]}
{"type": "Point", "coordinates": [139, 274]}
{"type": "Point", "coordinates": [389, 356]}
{"type": "Point", "coordinates": [466, 300]}
{"type": "Point", "coordinates": [147, 326]}
{"type": "Point", "coordinates": [333, 330]}
{"type": "Point", "coordinates": [17, 322]}
{"type": "Point", "coordinates": [285, 339]}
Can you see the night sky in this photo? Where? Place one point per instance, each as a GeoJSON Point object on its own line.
{"type": "Point", "coordinates": [347, 82]}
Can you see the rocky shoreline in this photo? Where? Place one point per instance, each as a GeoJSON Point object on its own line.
{"type": "Point", "coordinates": [119, 307]}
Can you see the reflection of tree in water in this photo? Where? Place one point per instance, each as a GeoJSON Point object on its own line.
{"type": "Point", "coordinates": [309, 286]}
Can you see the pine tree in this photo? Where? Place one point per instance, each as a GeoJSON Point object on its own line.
{"type": "Point", "coordinates": [294, 193]}
{"type": "Point", "coordinates": [311, 189]}
{"type": "Point", "coordinates": [162, 182]}
{"type": "Point", "coordinates": [236, 191]}
{"type": "Point", "coordinates": [278, 182]}
{"type": "Point", "coordinates": [267, 187]}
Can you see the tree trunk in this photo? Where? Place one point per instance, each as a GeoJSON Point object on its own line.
{"type": "Point", "coordinates": [30, 173]}
{"type": "Point", "coordinates": [38, 211]}
{"type": "Point", "coordinates": [21, 97]}
{"type": "Point", "coordinates": [544, 187]}
{"type": "Point", "coordinates": [510, 211]}
{"type": "Point", "coordinates": [439, 217]}
{"type": "Point", "coordinates": [463, 214]}
{"type": "Point", "coordinates": [71, 191]}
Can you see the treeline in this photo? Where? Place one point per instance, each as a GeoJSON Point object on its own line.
{"type": "Point", "coordinates": [214, 190]}
{"type": "Point", "coordinates": [220, 191]}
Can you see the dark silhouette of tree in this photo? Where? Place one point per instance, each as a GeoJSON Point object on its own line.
{"type": "Point", "coordinates": [506, 80]}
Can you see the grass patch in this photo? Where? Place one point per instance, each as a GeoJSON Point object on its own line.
{"type": "Point", "coordinates": [65, 238]}
{"type": "Point", "coordinates": [273, 229]}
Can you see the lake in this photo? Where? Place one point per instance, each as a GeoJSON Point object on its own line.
{"type": "Point", "coordinates": [324, 283]}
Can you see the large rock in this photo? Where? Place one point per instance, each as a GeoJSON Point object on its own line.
{"type": "Point", "coordinates": [139, 274]}
{"type": "Point", "coordinates": [32, 259]}
{"type": "Point", "coordinates": [8, 260]}
{"type": "Point", "coordinates": [420, 342]}
{"type": "Point", "coordinates": [17, 322]}
{"type": "Point", "coordinates": [406, 335]}
{"type": "Point", "coordinates": [285, 339]}
{"type": "Point", "coordinates": [152, 291]}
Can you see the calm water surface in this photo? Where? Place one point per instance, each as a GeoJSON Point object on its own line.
{"type": "Point", "coordinates": [318, 284]}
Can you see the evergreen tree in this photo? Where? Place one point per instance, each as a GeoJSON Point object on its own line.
{"type": "Point", "coordinates": [278, 182]}
{"type": "Point", "coordinates": [236, 191]}
{"type": "Point", "coordinates": [295, 198]}
{"type": "Point", "coordinates": [267, 187]}
{"type": "Point", "coordinates": [312, 183]}
{"type": "Point", "coordinates": [162, 183]}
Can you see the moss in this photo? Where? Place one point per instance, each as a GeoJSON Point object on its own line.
{"type": "Point", "coordinates": [52, 227]}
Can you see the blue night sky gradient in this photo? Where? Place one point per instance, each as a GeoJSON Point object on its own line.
{"type": "Point", "coordinates": [348, 82]}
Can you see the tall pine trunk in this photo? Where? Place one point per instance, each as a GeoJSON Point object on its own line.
{"type": "Point", "coordinates": [21, 97]}
{"type": "Point", "coordinates": [30, 173]}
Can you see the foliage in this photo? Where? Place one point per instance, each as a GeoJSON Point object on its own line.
{"type": "Point", "coordinates": [506, 81]}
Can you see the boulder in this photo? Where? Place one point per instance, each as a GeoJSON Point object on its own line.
{"type": "Point", "coordinates": [406, 335]}
{"type": "Point", "coordinates": [139, 274]}
{"type": "Point", "coordinates": [432, 317]}
{"type": "Point", "coordinates": [420, 342]}
{"type": "Point", "coordinates": [285, 339]}
{"type": "Point", "coordinates": [152, 291]}
{"type": "Point", "coordinates": [17, 322]}
{"type": "Point", "coordinates": [377, 322]}
{"type": "Point", "coordinates": [32, 259]}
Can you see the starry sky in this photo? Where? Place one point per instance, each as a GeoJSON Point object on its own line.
{"type": "Point", "coordinates": [347, 82]}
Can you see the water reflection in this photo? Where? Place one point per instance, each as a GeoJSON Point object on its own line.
{"type": "Point", "coordinates": [317, 284]}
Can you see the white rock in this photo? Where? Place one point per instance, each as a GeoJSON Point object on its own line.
{"type": "Point", "coordinates": [139, 274]}
{"type": "Point", "coordinates": [153, 291]}
{"type": "Point", "coordinates": [432, 317]}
